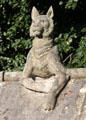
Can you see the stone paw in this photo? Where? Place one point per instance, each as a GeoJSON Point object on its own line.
{"type": "Point", "coordinates": [49, 103]}
{"type": "Point", "coordinates": [48, 106]}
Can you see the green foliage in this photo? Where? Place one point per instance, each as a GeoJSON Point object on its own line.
{"type": "Point", "coordinates": [71, 4]}
{"type": "Point", "coordinates": [15, 20]}
{"type": "Point", "coordinates": [79, 59]}
{"type": "Point", "coordinates": [69, 34]}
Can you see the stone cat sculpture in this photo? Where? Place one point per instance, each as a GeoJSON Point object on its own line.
{"type": "Point", "coordinates": [42, 60]}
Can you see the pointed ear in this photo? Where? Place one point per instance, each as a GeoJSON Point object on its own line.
{"type": "Point", "coordinates": [50, 12]}
{"type": "Point", "coordinates": [34, 13]}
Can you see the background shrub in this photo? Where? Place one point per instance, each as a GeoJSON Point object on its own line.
{"type": "Point", "coordinates": [69, 33]}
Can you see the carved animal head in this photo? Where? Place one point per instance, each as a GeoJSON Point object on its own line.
{"type": "Point", "coordinates": [42, 25]}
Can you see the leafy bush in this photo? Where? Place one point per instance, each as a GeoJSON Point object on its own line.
{"type": "Point", "coordinates": [15, 20]}
{"type": "Point", "coordinates": [69, 34]}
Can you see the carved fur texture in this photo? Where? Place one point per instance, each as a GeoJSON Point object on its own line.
{"type": "Point", "coordinates": [42, 60]}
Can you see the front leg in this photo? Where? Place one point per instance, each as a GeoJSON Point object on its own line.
{"type": "Point", "coordinates": [28, 67]}
{"type": "Point", "coordinates": [58, 84]}
{"type": "Point", "coordinates": [51, 97]}
{"type": "Point", "coordinates": [57, 69]}
{"type": "Point", "coordinates": [50, 101]}
{"type": "Point", "coordinates": [27, 80]}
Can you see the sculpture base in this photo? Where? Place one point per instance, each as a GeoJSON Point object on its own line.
{"type": "Point", "coordinates": [18, 103]}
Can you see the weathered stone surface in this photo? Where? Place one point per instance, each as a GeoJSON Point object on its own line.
{"type": "Point", "coordinates": [40, 84]}
{"type": "Point", "coordinates": [10, 76]}
{"type": "Point", "coordinates": [18, 103]}
{"type": "Point", "coordinates": [77, 73]}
